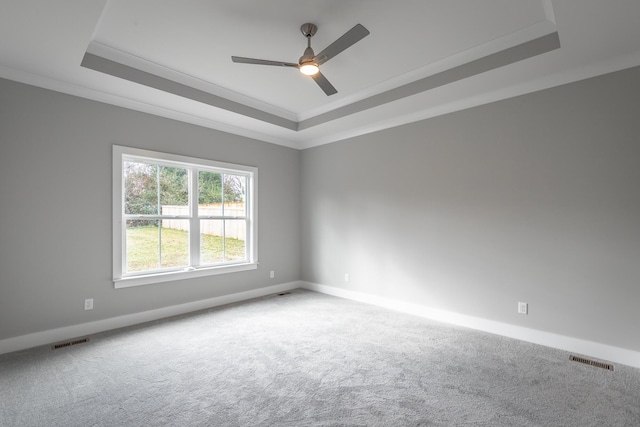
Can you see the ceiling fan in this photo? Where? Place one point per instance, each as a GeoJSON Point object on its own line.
{"type": "Point", "coordinates": [309, 63]}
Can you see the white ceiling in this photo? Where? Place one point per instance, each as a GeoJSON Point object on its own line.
{"type": "Point", "coordinates": [423, 57]}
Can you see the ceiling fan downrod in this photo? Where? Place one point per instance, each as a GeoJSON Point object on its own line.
{"type": "Point", "coordinates": [307, 64]}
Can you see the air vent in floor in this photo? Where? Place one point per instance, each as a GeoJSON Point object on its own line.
{"type": "Point", "coordinates": [591, 362]}
{"type": "Point", "coordinates": [69, 343]}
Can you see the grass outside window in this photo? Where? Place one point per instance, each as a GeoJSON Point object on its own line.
{"type": "Point", "coordinates": [142, 248]}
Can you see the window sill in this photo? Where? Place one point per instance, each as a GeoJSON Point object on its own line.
{"type": "Point", "coordinates": [148, 279]}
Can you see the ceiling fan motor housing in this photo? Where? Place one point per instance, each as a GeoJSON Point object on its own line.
{"type": "Point", "coordinates": [307, 56]}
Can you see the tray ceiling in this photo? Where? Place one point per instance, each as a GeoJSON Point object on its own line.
{"type": "Point", "coordinates": [422, 58]}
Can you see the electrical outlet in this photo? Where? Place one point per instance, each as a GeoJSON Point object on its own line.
{"type": "Point", "coordinates": [88, 304]}
{"type": "Point", "coordinates": [346, 277]}
{"type": "Point", "coordinates": [272, 274]}
{"type": "Point", "coordinates": [523, 308]}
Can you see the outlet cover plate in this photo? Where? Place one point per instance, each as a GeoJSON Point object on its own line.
{"type": "Point", "coordinates": [523, 308]}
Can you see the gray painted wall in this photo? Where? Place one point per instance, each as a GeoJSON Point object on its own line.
{"type": "Point", "coordinates": [534, 199]}
{"type": "Point", "coordinates": [55, 208]}
{"type": "Point", "coordinates": [531, 199]}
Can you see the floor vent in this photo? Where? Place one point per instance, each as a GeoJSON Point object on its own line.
{"type": "Point", "coordinates": [602, 365]}
{"type": "Point", "coordinates": [281, 294]}
{"type": "Point", "coordinates": [69, 343]}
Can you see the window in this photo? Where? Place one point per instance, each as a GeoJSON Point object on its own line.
{"type": "Point", "coordinates": [176, 217]}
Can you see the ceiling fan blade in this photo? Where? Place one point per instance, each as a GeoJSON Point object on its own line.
{"type": "Point", "coordinates": [347, 40]}
{"type": "Point", "coordinates": [242, 60]}
{"type": "Point", "coordinates": [324, 84]}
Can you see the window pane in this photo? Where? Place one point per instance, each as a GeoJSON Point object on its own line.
{"type": "Point", "coordinates": [235, 187]}
{"type": "Point", "coordinates": [174, 243]}
{"type": "Point", "coordinates": [211, 241]}
{"type": "Point", "coordinates": [140, 188]}
{"type": "Point", "coordinates": [151, 247]}
{"type": "Point", "coordinates": [222, 241]}
{"type": "Point", "coordinates": [235, 239]}
{"type": "Point", "coordinates": [174, 191]}
{"type": "Point", "coordinates": [209, 194]}
{"type": "Point", "coordinates": [143, 245]}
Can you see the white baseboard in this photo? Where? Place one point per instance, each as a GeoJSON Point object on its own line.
{"type": "Point", "coordinates": [561, 342]}
{"type": "Point", "coordinates": [61, 334]}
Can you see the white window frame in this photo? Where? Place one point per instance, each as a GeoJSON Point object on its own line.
{"type": "Point", "coordinates": [122, 280]}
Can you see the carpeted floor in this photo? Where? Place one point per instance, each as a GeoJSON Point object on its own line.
{"type": "Point", "coordinates": [307, 359]}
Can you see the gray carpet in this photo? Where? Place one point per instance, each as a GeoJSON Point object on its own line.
{"type": "Point", "coordinates": [307, 359]}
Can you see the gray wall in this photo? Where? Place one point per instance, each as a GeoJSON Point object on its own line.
{"type": "Point", "coordinates": [55, 208]}
{"type": "Point", "coordinates": [534, 199]}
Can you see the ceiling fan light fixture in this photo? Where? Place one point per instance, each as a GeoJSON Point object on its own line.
{"type": "Point", "coordinates": [309, 68]}
{"type": "Point", "coordinates": [309, 63]}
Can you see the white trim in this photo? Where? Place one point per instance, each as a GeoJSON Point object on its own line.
{"type": "Point", "coordinates": [549, 13]}
{"type": "Point", "coordinates": [117, 203]}
{"type": "Point", "coordinates": [522, 88]}
{"type": "Point", "coordinates": [60, 334]}
{"type": "Point", "coordinates": [561, 342]}
{"type": "Point", "coordinates": [255, 129]}
{"type": "Point", "coordinates": [130, 60]}
{"type": "Point", "coordinates": [220, 123]}
{"type": "Point", "coordinates": [168, 276]}
{"type": "Point", "coordinates": [177, 159]}
{"type": "Point", "coordinates": [510, 40]}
